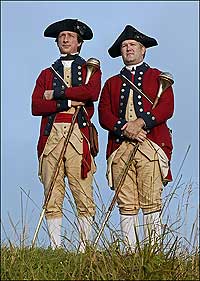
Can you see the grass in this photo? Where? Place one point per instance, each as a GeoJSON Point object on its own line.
{"type": "Point", "coordinates": [40, 264]}
{"type": "Point", "coordinates": [174, 256]}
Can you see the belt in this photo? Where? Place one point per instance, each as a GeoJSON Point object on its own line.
{"type": "Point", "coordinates": [63, 118]}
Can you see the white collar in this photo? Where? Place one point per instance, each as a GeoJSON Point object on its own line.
{"type": "Point", "coordinates": [130, 67]}
{"type": "Point", "coordinates": [64, 55]}
{"type": "Point", "coordinates": [67, 63]}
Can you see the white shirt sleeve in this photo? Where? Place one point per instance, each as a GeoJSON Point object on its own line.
{"type": "Point", "coordinates": [69, 103]}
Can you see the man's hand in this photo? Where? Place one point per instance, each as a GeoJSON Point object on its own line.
{"type": "Point", "coordinates": [48, 94]}
{"type": "Point", "coordinates": [133, 130]}
{"type": "Point", "coordinates": [77, 103]}
{"type": "Point", "coordinates": [141, 136]}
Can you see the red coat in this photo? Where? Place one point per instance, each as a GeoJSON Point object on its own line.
{"type": "Point", "coordinates": [87, 93]}
{"type": "Point", "coordinates": [109, 108]}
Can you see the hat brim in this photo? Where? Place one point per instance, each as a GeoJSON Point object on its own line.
{"type": "Point", "coordinates": [72, 25]}
{"type": "Point", "coordinates": [130, 33]}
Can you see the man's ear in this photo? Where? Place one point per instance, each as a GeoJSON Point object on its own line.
{"type": "Point", "coordinates": [143, 50]}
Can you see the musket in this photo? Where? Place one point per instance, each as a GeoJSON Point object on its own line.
{"type": "Point", "coordinates": [117, 190]}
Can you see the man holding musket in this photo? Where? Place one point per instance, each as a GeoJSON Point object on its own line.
{"type": "Point", "coordinates": [127, 109]}
{"type": "Point", "coordinates": [64, 99]}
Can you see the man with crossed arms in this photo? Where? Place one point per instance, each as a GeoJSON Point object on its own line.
{"type": "Point", "coordinates": [57, 104]}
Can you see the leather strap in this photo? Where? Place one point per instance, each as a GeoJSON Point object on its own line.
{"type": "Point", "coordinates": [58, 76]}
{"type": "Point", "coordinates": [135, 88]}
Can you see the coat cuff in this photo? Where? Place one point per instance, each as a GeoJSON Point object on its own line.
{"type": "Point", "coordinates": [149, 119]}
{"type": "Point", "coordinates": [62, 105]}
{"type": "Point", "coordinates": [118, 126]}
{"type": "Point", "coordinates": [59, 94]}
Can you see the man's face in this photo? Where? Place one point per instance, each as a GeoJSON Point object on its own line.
{"type": "Point", "coordinates": [68, 42]}
{"type": "Point", "coordinates": [132, 52]}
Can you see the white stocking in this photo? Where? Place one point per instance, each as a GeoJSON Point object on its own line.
{"type": "Point", "coordinates": [129, 224]}
{"type": "Point", "coordinates": [152, 226]}
{"type": "Point", "coordinates": [54, 227]}
{"type": "Point", "coordinates": [85, 228]}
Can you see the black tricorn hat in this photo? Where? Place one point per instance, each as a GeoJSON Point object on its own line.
{"type": "Point", "coordinates": [130, 33]}
{"type": "Point", "coordinates": [73, 25]}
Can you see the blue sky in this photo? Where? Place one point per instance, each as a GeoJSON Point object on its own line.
{"type": "Point", "coordinates": [25, 52]}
